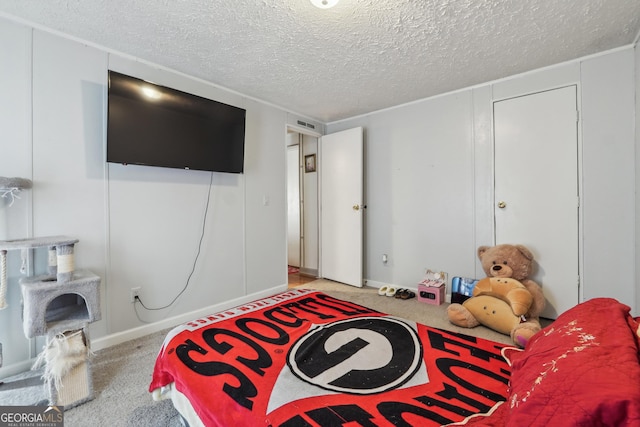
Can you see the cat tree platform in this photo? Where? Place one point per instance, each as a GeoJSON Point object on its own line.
{"type": "Point", "coordinates": [51, 307]}
{"type": "Point", "coordinates": [61, 260]}
{"type": "Point", "coordinates": [37, 242]}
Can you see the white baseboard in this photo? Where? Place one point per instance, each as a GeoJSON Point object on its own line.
{"type": "Point", "coordinates": [375, 284]}
{"type": "Point", "coordinates": [16, 368]}
{"type": "Point", "coordinates": [312, 272]}
{"type": "Point", "coordinates": [378, 285]}
{"type": "Point", "coordinates": [131, 334]}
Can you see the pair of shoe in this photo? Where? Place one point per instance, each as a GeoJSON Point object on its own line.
{"type": "Point", "coordinates": [404, 294]}
{"type": "Point", "coordinates": [388, 291]}
{"type": "Point", "coordinates": [401, 293]}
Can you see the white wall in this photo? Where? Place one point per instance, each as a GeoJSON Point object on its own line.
{"type": "Point", "coordinates": [138, 226]}
{"type": "Point", "coordinates": [68, 111]}
{"type": "Point", "coordinates": [429, 177]}
{"type": "Point", "coordinates": [608, 104]}
{"type": "Point", "coordinates": [418, 189]}
{"type": "Point", "coordinates": [15, 161]}
{"type": "Point", "coordinates": [266, 176]}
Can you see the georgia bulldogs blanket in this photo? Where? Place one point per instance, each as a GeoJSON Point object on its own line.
{"type": "Point", "coordinates": [305, 359]}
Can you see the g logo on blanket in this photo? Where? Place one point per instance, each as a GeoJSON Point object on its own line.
{"type": "Point", "coordinates": [306, 359]}
{"type": "Point", "coordinates": [360, 356]}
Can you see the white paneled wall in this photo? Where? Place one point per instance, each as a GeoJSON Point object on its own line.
{"type": "Point", "coordinates": [69, 108]}
{"type": "Point", "coordinates": [609, 169]}
{"type": "Point", "coordinates": [266, 198]}
{"type": "Point", "coordinates": [419, 189]}
{"type": "Point", "coordinates": [430, 177]}
{"type": "Point", "coordinates": [15, 161]}
{"type": "Point", "coordinates": [137, 226]}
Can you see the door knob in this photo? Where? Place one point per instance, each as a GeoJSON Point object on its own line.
{"type": "Point", "coordinates": [356, 207]}
{"type": "Point", "coordinates": [502, 205]}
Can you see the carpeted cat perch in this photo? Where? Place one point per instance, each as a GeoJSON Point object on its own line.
{"type": "Point", "coordinates": [11, 187]}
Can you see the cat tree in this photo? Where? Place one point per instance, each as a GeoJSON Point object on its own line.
{"type": "Point", "coordinates": [58, 305]}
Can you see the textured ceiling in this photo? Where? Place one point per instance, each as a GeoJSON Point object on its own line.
{"type": "Point", "coordinates": [358, 57]}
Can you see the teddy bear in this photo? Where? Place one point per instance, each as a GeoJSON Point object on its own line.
{"type": "Point", "coordinates": [506, 300]}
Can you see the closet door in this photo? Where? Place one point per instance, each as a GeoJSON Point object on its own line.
{"type": "Point", "coordinates": [536, 188]}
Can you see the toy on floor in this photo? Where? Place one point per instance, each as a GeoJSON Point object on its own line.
{"type": "Point", "coordinates": [507, 300]}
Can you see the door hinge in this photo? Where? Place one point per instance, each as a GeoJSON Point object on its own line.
{"type": "Point", "coordinates": [577, 115]}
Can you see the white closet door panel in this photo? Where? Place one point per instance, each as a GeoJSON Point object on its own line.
{"type": "Point", "coordinates": [536, 187]}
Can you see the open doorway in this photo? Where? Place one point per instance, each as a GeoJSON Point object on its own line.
{"type": "Point", "coordinates": [302, 206]}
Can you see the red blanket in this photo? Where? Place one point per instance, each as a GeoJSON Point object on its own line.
{"type": "Point", "coordinates": [305, 359]}
{"type": "Point", "coordinates": [582, 370]}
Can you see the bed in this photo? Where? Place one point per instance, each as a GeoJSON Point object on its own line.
{"type": "Point", "coordinates": [305, 359]}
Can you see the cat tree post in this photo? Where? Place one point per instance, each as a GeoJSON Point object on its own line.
{"type": "Point", "coordinates": [3, 279]}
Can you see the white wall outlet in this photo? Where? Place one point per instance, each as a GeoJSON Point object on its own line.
{"type": "Point", "coordinates": [135, 292]}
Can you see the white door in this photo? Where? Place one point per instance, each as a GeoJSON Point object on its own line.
{"type": "Point", "coordinates": [293, 205]}
{"type": "Point", "coordinates": [536, 188]}
{"type": "Point", "coordinates": [341, 206]}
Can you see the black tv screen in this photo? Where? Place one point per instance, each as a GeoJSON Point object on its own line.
{"type": "Point", "coordinates": [154, 125]}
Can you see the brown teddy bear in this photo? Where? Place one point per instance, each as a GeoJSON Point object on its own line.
{"type": "Point", "coordinates": [510, 306]}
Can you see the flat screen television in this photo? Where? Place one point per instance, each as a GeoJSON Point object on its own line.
{"type": "Point", "coordinates": [153, 125]}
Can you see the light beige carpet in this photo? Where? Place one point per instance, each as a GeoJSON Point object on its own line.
{"type": "Point", "coordinates": [411, 309]}
{"type": "Point", "coordinates": [121, 377]}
